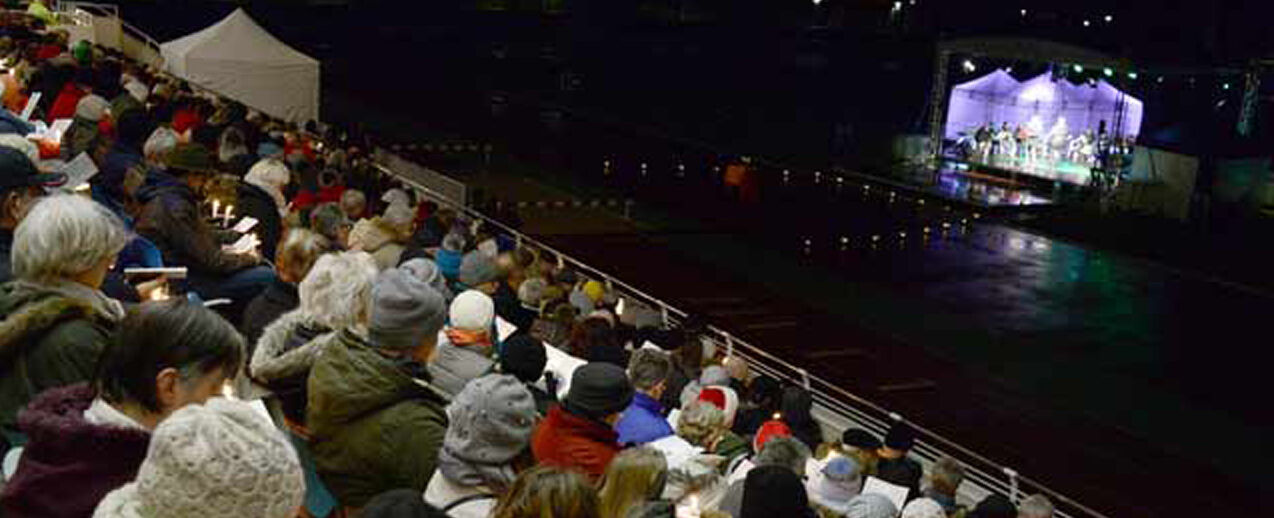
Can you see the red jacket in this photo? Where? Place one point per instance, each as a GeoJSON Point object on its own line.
{"type": "Point", "coordinates": [64, 106]}
{"type": "Point", "coordinates": [567, 440]}
{"type": "Point", "coordinates": [185, 119]}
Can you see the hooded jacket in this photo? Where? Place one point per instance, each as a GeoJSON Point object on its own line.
{"type": "Point", "coordinates": [571, 441]}
{"type": "Point", "coordinates": [283, 357]}
{"type": "Point", "coordinates": [377, 238]}
{"type": "Point", "coordinates": [376, 422]}
{"type": "Point", "coordinates": [70, 464]}
{"type": "Point", "coordinates": [278, 299]}
{"type": "Point", "coordinates": [49, 337]}
{"type": "Point", "coordinates": [170, 219]}
{"type": "Point", "coordinates": [453, 366]}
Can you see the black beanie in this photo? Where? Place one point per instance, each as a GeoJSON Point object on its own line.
{"type": "Point", "coordinates": [524, 358]}
{"type": "Point", "coordinates": [860, 438]}
{"type": "Point", "coordinates": [772, 491]}
{"type": "Point", "coordinates": [599, 389]}
{"type": "Point", "coordinates": [400, 503]}
{"type": "Point", "coordinates": [900, 437]}
{"type": "Point", "coordinates": [994, 506]}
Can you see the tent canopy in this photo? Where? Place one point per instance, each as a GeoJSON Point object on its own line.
{"type": "Point", "coordinates": [237, 58]}
{"type": "Point", "coordinates": [998, 98]}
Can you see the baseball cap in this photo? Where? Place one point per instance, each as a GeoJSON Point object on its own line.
{"type": "Point", "coordinates": [16, 170]}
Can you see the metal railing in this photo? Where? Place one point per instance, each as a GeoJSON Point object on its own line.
{"type": "Point", "coordinates": [836, 406]}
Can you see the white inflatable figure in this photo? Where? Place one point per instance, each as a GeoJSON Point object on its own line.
{"type": "Point", "coordinates": [1035, 130]}
{"type": "Point", "coordinates": [1057, 139]}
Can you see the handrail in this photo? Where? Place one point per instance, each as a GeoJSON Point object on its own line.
{"type": "Point", "coordinates": [772, 365]}
{"type": "Point", "coordinates": [926, 448]}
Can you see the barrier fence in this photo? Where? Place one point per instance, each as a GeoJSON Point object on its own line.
{"type": "Point", "coordinates": [835, 407]}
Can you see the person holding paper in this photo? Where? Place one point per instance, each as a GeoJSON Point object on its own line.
{"type": "Point", "coordinates": [894, 465]}
{"type": "Point", "coordinates": [88, 439]}
{"type": "Point", "coordinates": [171, 218]}
{"type": "Point", "coordinates": [260, 196]}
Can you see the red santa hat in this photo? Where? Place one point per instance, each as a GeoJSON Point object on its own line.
{"type": "Point", "coordinates": [724, 398]}
{"type": "Point", "coordinates": [769, 430]}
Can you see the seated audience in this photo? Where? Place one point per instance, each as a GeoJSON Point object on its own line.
{"type": "Point", "coordinates": [88, 439]}
{"type": "Point", "coordinates": [833, 486]}
{"type": "Point", "coordinates": [945, 477]}
{"type": "Point", "coordinates": [335, 294]}
{"type": "Point", "coordinates": [400, 503]}
{"type": "Point", "coordinates": [260, 195]}
{"type": "Point", "coordinates": [703, 424]}
{"type": "Point", "coordinates": [524, 358]}
{"type": "Point", "coordinates": [328, 220]}
{"type": "Point", "coordinates": [643, 421]}
{"type": "Point", "coordinates": [796, 407]}
{"type": "Point", "coordinates": [219, 458]}
{"type": "Point", "coordinates": [83, 133]}
{"type": "Point", "coordinates": [354, 204]}
{"type": "Point", "coordinates": [862, 446]}
{"type": "Point", "coordinates": [871, 505]}
{"type": "Point", "coordinates": [485, 446]}
{"type": "Point", "coordinates": [376, 420]}
{"type": "Point", "coordinates": [633, 485]}
{"type": "Point", "coordinates": [383, 236]}
{"type": "Point", "coordinates": [762, 401]}
{"type": "Point", "coordinates": [479, 272]}
{"type": "Point", "coordinates": [450, 255]}
{"type": "Point", "coordinates": [994, 506]}
{"type": "Point", "coordinates": [427, 271]}
{"type": "Point", "coordinates": [780, 451]}
{"type": "Point", "coordinates": [923, 508]}
{"type": "Point", "coordinates": [774, 491]}
{"type": "Point", "coordinates": [172, 219]}
{"type": "Point", "coordinates": [579, 432]}
{"type": "Point", "coordinates": [548, 491]}
{"type": "Point", "coordinates": [54, 319]}
{"type": "Point", "coordinates": [1035, 506]}
{"type": "Point", "coordinates": [894, 465]}
{"type": "Point", "coordinates": [466, 352]}
{"type": "Point", "coordinates": [530, 293]}
{"type": "Point", "coordinates": [21, 185]}
{"type": "Point", "coordinates": [297, 254]}
{"type": "Point", "coordinates": [593, 339]}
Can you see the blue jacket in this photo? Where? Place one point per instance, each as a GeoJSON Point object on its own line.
{"type": "Point", "coordinates": [643, 421]}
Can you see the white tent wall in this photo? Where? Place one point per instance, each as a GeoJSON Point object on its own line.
{"type": "Point", "coordinates": [238, 59]}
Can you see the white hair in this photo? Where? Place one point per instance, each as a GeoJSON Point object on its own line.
{"type": "Point", "coordinates": [269, 172]}
{"type": "Point", "coordinates": [1035, 506]}
{"type": "Point", "coordinates": [337, 292]}
{"type": "Point", "coordinates": [65, 235]}
{"type": "Point", "coordinates": [947, 473]}
{"type": "Point", "coordinates": [353, 199]}
{"type": "Point", "coordinates": [22, 144]}
{"type": "Point", "coordinates": [923, 508]}
{"type": "Point", "coordinates": [161, 141]}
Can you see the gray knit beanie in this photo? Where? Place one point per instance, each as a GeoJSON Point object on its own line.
{"type": "Point", "coordinates": [871, 505]}
{"type": "Point", "coordinates": [477, 269]}
{"type": "Point", "coordinates": [405, 310]}
{"type": "Point", "coordinates": [491, 420]}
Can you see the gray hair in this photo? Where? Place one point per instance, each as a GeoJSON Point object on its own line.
{"type": "Point", "coordinates": [65, 235]}
{"type": "Point", "coordinates": [337, 292]}
{"type": "Point", "coordinates": [648, 368]}
{"type": "Point", "coordinates": [700, 423]}
{"type": "Point", "coordinates": [1035, 506]}
{"type": "Point", "coordinates": [784, 451]}
{"type": "Point", "coordinates": [531, 292]}
{"type": "Point", "coordinates": [946, 474]}
{"type": "Point", "coordinates": [353, 200]}
{"type": "Point", "coordinates": [161, 141]}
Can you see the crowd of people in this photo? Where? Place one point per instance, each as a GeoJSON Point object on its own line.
{"type": "Point", "coordinates": [308, 338]}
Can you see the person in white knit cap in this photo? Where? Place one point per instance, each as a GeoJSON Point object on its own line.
{"type": "Point", "coordinates": [466, 353]}
{"type": "Point", "coordinates": [216, 459]}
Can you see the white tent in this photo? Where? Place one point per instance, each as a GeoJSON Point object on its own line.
{"type": "Point", "coordinates": [238, 59]}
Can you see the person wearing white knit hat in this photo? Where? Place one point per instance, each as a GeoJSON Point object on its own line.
{"type": "Point", "coordinates": [466, 353]}
{"type": "Point", "coordinates": [220, 458]}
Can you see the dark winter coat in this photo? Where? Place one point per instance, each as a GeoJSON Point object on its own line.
{"type": "Point", "coordinates": [70, 464]}
{"type": "Point", "coordinates": [376, 422]}
{"type": "Point", "coordinates": [47, 340]}
{"type": "Point", "coordinates": [254, 201]}
{"type": "Point", "coordinates": [170, 218]}
{"type": "Point", "coordinates": [278, 298]}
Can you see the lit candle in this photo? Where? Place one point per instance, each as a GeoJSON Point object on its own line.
{"type": "Point", "coordinates": [229, 210]}
{"type": "Point", "coordinates": [216, 207]}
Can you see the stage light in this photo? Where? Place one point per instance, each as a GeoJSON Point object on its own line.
{"type": "Point", "coordinates": [1108, 72]}
{"type": "Point", "coordinates": [1087, 23]}
{"type": "Point", "coordinates": [1160, 80]}
{"type": "Point", "coordinates": [897, 6]}
{"type": "Point", "coordinates": [1132, 75]}
{"type": "Point", "coordinates": [1109, 18]}
{"type": "Point", "coordinates": [1023, 11]}
{"type": "Point", "coordinates": [969, 66]}
{"type": "Point", "coordinates": [1226, 86]}
{"type": "Point", "coordinates": [1078, 69]}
